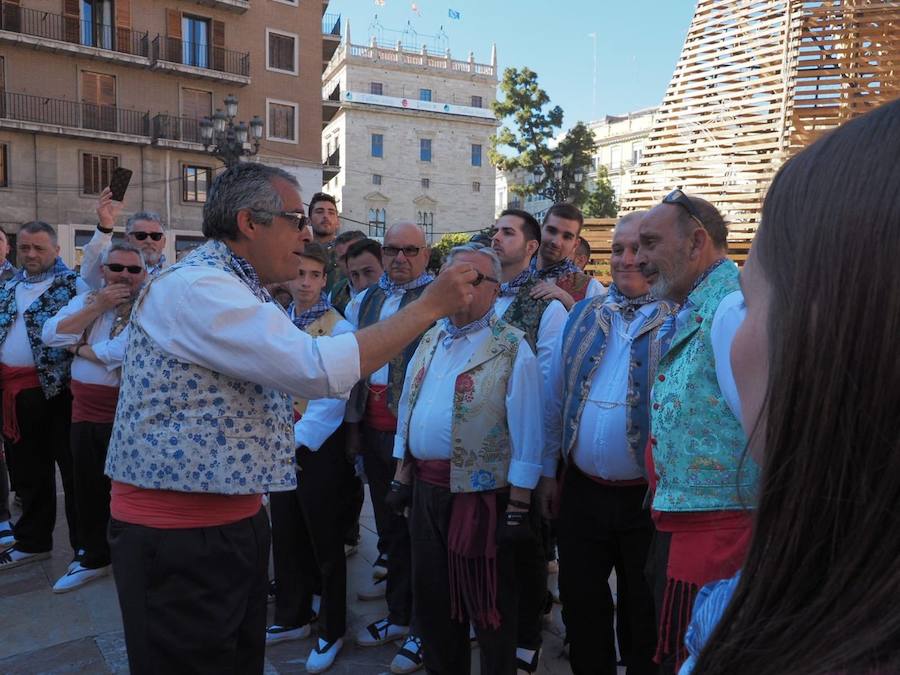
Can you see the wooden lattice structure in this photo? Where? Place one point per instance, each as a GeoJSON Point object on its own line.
{"type": "Point", "coordinates": [757, 80]}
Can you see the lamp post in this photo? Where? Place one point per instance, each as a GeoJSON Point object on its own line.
{"type": "Point", "coordinates": [228, 140]}
{"type": "Point", "coordinates": [557, 188]}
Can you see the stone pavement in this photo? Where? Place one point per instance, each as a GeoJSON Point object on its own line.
{"type": "Point", "coordinates": [81, 631]}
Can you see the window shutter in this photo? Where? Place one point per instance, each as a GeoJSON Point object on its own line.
{"type": "Point", "coordinates": [173, 36]}
{"type": "Point", "coordinates": [71, 21]}
{"type": "Point", "coordinates": [87, 170]}
{"type": "Point", "coordinates": [123, 26]}
{"type": "Point", "coordinates": [218, 45]}
{"type": "Point", "coordinates": [90, 88]}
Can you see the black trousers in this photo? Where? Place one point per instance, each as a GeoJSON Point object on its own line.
{"type": "Point", "coordinates": [308, 542]}
{"type": "Point", "coordinates": [44, 445]}
{"type": "Point", "coordinates": [193, 600]}
{"type": "Point", "coordinates": [531, 576]}
{"type": "Point", "coordinates": [393, 530]}
{"type": "Point", "coordinates": [89, 443]}
{"type": "Point", "coordinates": [4, 488]}
{"type": "Point", "coordinates": [356, 497]}
{"type": "Point", "coordinates": [446, 641]}
{"type": "Point", "coordinates": [601, 528]}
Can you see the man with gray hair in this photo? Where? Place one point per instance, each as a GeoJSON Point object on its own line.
{"type": "Point", "coordinates": [470, 434]}
{"type": "Point", "coordinates": [94, 327]}
{"type": "Point", "coordinates": [144, 230]}
{"type": "Point", "coordinates": [203, 425]}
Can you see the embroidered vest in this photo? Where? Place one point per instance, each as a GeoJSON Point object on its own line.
{"type": "Point", "coordinates": [698, 443]}
{"type": "Point", "coordinates": [340, 295]}
{"type": "Point", "coordinates": [525, 313]}
{"type": "Point", "coordinates": [575, 284]}
{"type": "Point", "coordinates": [324, 325]}
{"type": "Point", "coordinates": [481, 452]}
{"type": "Point", "coordinates": [54, 365]}
{"type": "Point", "coordinates": [584, 343]}
{"type": "Point", "coordinates": [182, 427]}
{"type": "Point", "coordinates": [370, 313]}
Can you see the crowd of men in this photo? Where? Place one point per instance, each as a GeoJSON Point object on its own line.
{"type": "Point", "coordinates": [504, 412]}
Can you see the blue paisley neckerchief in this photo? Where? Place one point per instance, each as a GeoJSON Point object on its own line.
{"type": "Point", "coordinates": [59, 267]}
{"type": "Point", "coordinates": [557, 270]}
{"type": "Point", "coordinates": [454, 332]}
{"type": "Point", "coordinates": [310, 315]}
{"type": "Point", "coordinates": [709, 270]}
{"type": "Point", "coordinates": [389, 287]}
{"type": "Point", "coordinates": [6, 266]}
{"type": "Point", "coordinates": [248, 275]}
{"type": "Point", "coordinates": [157, 268]}
{"type": "Point", "coordinates": [627, 306]}
{"type": "Point", "coordinates": [511, 287]}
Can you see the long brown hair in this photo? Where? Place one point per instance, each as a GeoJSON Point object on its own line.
{"type": "Point", "coordinates": [820, 590]}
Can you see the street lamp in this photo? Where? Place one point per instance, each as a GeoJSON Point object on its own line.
{"type": "Point", "coordinates": [228, 140]}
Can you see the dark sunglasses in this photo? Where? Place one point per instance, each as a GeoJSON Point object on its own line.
{"type": "Point", "coordinates": [297, 218]}
{"type": "Point", "coordinates": [408, 251]}
{"type": "Point", "coordinates": [140, 236]}
{"type": "Point", "coordinates": [483, 277]}
{"type": "Point", "coordinates": [681, 199]}
{"type": "Point", "coordinates": [132, 269]}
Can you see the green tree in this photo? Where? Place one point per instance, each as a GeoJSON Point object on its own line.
{"type": "Point", "coordinates": [534, 125]}
{"type": "Point", "coordinates": [601, 202]}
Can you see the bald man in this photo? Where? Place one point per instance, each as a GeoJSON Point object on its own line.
{"type": "Point", "coordinates": [374, 406]}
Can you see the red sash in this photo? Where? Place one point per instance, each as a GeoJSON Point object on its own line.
{"type": "Point", "coordinates": [13, 380]}
{"type": "Point", "coordinates": [94, 402]}
{"type": "Point", "coordinates": [169, 510]}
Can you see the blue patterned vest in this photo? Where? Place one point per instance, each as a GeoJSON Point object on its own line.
{"type": "Point", "coordinates": [182, 427]}
{"type": "Point", "coordinates": [698, 442]}
{"type": "Point", "coordinates": [54, 364]}
{"type": "Point", "coordinates": [584, 343]}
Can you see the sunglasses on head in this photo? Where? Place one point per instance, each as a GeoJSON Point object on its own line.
{"type": "Point", "coordinates": [117, 267]}
{"type": "Point", "coordinates": [140, 236]}
{"type": "Point", "coordinates": [678, 197]}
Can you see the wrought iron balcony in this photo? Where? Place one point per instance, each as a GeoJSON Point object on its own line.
{"type": "Point", "coordinates": [201, 59]}
{"type": "Point", "coordinates": [174, 128]}
{"type": "Point", "coordinates": [331, 25]}
{"type": "Point", "coordinates": [332, 165]}
{"type": "Point", "coordinates": [71, 115]}
{"type": "Point", "coordinates": [80, 36]}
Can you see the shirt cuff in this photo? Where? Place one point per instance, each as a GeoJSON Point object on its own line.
{"type": "Point", "coordinates": [341, 354]}
{"type": "Point", "coordinates": [523, 474]}
{"type": "Point", "coordinates": [399, 447]}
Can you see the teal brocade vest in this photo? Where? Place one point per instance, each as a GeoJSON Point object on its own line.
{"type": "Point", "coordinates": [698, 444]}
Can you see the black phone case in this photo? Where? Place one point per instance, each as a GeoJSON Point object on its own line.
{"type": "Point", "coordinates": [119, 183]}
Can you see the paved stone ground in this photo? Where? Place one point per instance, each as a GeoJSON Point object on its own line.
{"type": "Point", "coordinates": [81, 631]}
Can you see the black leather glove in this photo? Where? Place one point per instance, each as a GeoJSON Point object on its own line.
{"type": "Point", "coordinates": [399, 497]}
{"type": "Point", "coordinates": [514, 528]}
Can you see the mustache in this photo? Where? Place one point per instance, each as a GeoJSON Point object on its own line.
{"type": "Point", "coordinates": [649, 270]}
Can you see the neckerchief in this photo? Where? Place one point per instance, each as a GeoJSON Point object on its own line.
{"type": "Point", "coordinates": [6, 266]}
{"type": "Point", "coordinates": [248, 275]}
{"type": "Point", "coordinates": [55, 270]}
{"type": "Point", "coordinates": [511, 287]}
{"type": "Point", "coordinates": [454, 333]}
{"type": "Point", "coordinates": [389, 287]}
{"type": "Point", "coordinates": [627, 306]}
{"type": "Point", "coordinates": [306, 317]}
{"type": "Point", "coordinates": [563, 268]}
{"type": "Point", "coordinates": [157, 268]}
{"type": "Point", "coordinates": [709, 270]}
{"type": "Point", "coordinates": [123, 316]}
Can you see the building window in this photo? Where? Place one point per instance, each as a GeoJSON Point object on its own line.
{"type": "Point", "coordinates": [636, 153]}
{"type": "Point", "coordinates": [4, 165]}
{"type": "Point", "coordinates": [377, 145]}
{"type": "Point", "coordinates": [195, 36]}
{"type": "Point", "coordinates": [194, 182]}
{"type": "Point", "coordinates": [377, 219]}
{"type": "Point", "coordinates": [476, 186]}
{"type": "Point", "coordinates": [616, 158]}
{"type": "Point", "coordinates": [376, 88]}
{"type": "Point", "coordinates": [98, 94]}
{"type": "Point", "coordinates": [477, 102]}
{"type": "Point", "coordinates": [376, 179]}
{"type": "Point", "coordinates": [424, 94]}
{"type": "Point", "coordinates": [97, 23]}
{"type": "Point", "coordinates": [281, 55]}
{"type": "Point", "coordinates": [426, 183]}
{"type": "Point", "coordinates": [476, 154]}
{"type": "Point", "coordinates": [425, 220]}
{"type": "Point", "coordinates": [282, 121]}
{"type": "Point", "coordinates": [425, 149]}
{"type": "Point", "coordinates": [96, 172]}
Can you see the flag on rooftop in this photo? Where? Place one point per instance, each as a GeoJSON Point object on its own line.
{"type": "Point", "coordinates": [453, 14]}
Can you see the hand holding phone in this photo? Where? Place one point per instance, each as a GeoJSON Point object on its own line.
{"type": "Point", "coordinates": [119, 183]}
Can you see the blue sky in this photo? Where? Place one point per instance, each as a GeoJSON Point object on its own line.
{"type": "Point", "coordinates": [638, 43]}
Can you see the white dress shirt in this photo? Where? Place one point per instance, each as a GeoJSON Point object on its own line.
{"type": "Point", "coordinates": [323, 416]}
{"type": "Point", "coordinates": [432, 419]}
{"type": "Point", "coordinates": [110, 351]}
{"type": "Point", "coordinates": [390, 307]}
{"type": "Point", "coordinates": [16, 349]}
{"type": "Point", "coordinates": [208, 317]}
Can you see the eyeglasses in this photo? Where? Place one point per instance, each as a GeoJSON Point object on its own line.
{"type": "Point", "coordinates": [140, 236]}
{"type": "Point", "coordinates": [132, 269]}
{"type": "Point", "coordinates": [297, 218]}
{"type": "Point", "coordinates": [483, 277]}
{"type": "Point", "coordinates": [681, 199]}
{"type": "Point", "coordinates": [408, 251]}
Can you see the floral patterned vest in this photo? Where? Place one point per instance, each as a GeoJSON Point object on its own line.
{"type": "Point", "coordinates": [481, 452]}
{"type": "Point", "coordinates": [182, 427]}
{"type": "Point", "coordinates": [321, 326]}
{"type": "Point", "coordinates": [54, 365]}
{"type": "Point", "coordinates": [698, 444]}
{"type": "Point", "coordinates": [525, 313]}
{"type": "Point", "coordinates": [584, 343]}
